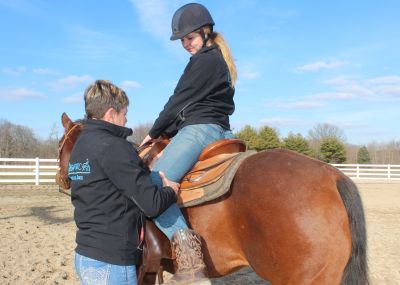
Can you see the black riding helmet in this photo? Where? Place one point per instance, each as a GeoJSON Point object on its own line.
{"type": "Point", "coordinates": [189, 18]}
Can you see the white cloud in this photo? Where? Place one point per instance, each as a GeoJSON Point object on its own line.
{"type": "Point", "coordinates": [129, 85]}
{"type": "Point", "coordinates": [85, 44]}
{"type": "Point", "coordinates": [333, 96]}
{"type": "Point", "coordinates": [378, 88]}
{"type": "Point", "coordinates": [301, 103]}
{"type": "Point", "coordinates": [384, 80]}
{"type": "Point", "coordinates": [250, 75]}
{"type": "Point", "coordinates": [388, 89]}
{"type": "Point", "coordinates": [73, 99]}
{"type": "Point", "coordinates": [306, 104]}
{"type": "Point", "coordinates": [45, 71]}
{"type": "Point", "coordinates": [155, 17]}
{"type": "Point", "coordinates": [341, 81]}
{"type": "Point", "coordinates": [319, 65]}
{"type": "Point", "coordinates": [14, 71]}
{"type": "Point", "coordinates": [280, 122]}
{"type": "Point", "coordinates": [385, 85]}
{"type": "Point", "coordinates": [350, 85]}
{"type": "Point", "coordinates": [70, 82]}
{"type": "Point", "coordinates": [25, 6]}
{"type": "Point", "coordinates": [19, 94]}
{"type": "Point", "coordinates": [357, 90]}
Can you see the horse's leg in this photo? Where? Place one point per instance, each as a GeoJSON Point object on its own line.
{"type": "Point", "coordinates": [157, 246]}
{"type": "Point", "coordinates": [222, 252]}
{"type": "Point", "coordinates": [149, 278]}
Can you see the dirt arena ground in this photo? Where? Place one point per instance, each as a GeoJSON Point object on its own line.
{"type": "Point", "coordinates": [37, 236]}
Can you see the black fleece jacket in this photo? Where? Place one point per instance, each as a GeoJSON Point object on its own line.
{"type": "Point", "coordinates": [112, 192]}
{"type": "Point", "coordinates": [203, 95]}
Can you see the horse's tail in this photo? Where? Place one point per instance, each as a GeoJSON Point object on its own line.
{"type": "Point", "coordinates": [356, 271]}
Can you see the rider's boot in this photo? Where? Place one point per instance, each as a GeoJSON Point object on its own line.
{"type": "Point", "coordinates": [191, 268]}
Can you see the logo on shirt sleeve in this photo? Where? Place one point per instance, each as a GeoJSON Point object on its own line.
{"type": "Point", "coordinates": [78, 170]}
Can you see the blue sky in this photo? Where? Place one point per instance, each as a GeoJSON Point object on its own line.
{"type": "Point", "coordinates": [300, 63]}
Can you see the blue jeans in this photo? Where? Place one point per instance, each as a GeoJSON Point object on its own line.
{"type": "Point", "coordinates": [178, 158]}
{"type": "Point", "coordinates": [94, 272]}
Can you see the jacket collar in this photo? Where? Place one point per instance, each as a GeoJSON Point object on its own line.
{"type": "Point", "coordinates": [205, 49]}
{"type": "Point", "coordinates": [92, 124]}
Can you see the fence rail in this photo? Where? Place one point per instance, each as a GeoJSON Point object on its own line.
{"type": "Point", "coordinates": [39, 171]}
{"type": "Point", "coordinates": [370, 171]}
{"type": "Point", "coordinates": [27, 170]}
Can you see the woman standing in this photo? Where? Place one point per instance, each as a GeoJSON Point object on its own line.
{"type": "Point", "coordinates": [111, 191]}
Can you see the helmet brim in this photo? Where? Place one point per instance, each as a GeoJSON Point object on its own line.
{"type": "Point", "coordinates": [178, 36]}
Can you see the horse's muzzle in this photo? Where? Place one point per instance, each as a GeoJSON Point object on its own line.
{"type": "Point", "coordinates": [63, 181]}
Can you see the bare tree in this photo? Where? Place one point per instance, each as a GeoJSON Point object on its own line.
{"type": "Point", "coordinates": [140, 132]}
{"type": "Point", "coordinates": [351, 153]}
{"type": "Point", "coordinates": [384, 153]}
{"type": "Point", "coordinates": [324, 131]}
{"type": "Point", "coordinates": [6, 140]}
{"type": "Point", "coordinates": [49, 147]}
{"type": "Point", "coordinates": [17, 141]}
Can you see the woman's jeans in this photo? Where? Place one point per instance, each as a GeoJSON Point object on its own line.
{"type": "Point", "coordinates": [178, 158]}
{"type": "Point", "coordinates": [94, 272]}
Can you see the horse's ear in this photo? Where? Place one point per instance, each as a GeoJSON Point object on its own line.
{"type": "Point", "coordinates": [66, 121]}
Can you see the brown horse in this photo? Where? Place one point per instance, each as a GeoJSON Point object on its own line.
{"type": "Point", "coordinates": [292, 219]}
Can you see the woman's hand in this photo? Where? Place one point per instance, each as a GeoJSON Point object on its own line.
{"type": "Point", "coordinates": [145, 140]}
{"type": "Point", "coordinates": [168, 183]}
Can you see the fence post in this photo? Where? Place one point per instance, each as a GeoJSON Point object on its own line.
{"type": "Point", "coordinates": [358, 171]}
{"type": "Point", "coordinates": [389, 172]}
{"type": "Point", "coordinates": [37, 176]}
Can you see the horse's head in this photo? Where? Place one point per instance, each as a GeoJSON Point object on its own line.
{"type": "Point", "coordinates": [71, 133]}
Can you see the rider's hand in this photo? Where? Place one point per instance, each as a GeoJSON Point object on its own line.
{"type": "Point", "coordinates": [166, 182]}
{"type": "Point", "coordinates": [145, 140]}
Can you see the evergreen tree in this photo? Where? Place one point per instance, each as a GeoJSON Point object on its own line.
{"type": "Point", "coordinates": [332, 150]}
{"type": "Point", "coordinates": [363, 156]}
{"type": "Point", "coordinates": [249, 135]}
{"type": "Point", "coordinates": [297, 143]}
{"type": "Point", "coordinates": [268, 139]}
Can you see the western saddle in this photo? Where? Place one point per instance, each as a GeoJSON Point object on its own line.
{"type": "Point", "coordinates": [212, 163]}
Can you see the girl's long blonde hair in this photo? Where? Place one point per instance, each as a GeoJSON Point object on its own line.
{"type": "Point", "coordinates": [218, 39]}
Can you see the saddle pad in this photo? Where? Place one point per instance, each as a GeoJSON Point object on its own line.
{"type": "Point", "coordinates": [196, 196]}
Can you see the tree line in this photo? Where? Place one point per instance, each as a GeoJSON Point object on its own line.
{"type": "Point", "coordinates": [325, 142]}
{"type": "Point", "coordinates": [18, 141]}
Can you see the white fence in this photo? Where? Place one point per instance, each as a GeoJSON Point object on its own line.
{"type": "Point", "coordinates": [39, 171]}
{"type": "Point", "coordinates": [27, 170]}
{"type": "Point", "coordinates": [370, 171]}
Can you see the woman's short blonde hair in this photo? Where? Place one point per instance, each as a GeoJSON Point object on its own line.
{"type": "Point", "coordinates": [102, 95]}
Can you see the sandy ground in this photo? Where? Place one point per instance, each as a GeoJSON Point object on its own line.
{"type": "Point", "coordinates": [37, 236]}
